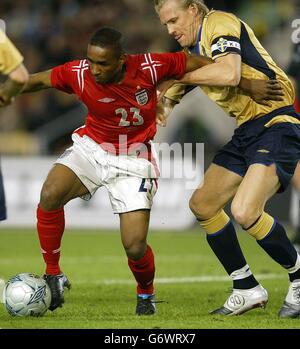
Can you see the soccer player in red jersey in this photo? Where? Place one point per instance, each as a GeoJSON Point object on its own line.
{"type": "Point", "coordinates": [120, 93]}
{"type": "Point", "coordinates": [113, 149]}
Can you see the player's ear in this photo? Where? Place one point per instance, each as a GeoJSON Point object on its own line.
{"type": "Point", "coordinates": [193, 9]}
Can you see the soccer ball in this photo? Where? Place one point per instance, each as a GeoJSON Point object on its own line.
{"type": "Point", "coordinates": [26, 294]}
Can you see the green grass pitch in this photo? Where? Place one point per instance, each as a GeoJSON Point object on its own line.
{"type": "Point", "coordinates": [190, 281]}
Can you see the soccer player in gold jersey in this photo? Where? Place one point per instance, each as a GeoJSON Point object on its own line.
{"type": "Point", "coordinates": [10, 65]}
{"type": "Point", "coordinates": [261, 157]}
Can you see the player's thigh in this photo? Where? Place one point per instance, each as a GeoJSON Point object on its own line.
{"type": "Point", "coordinates": [258, 186]}
{"type": "Point", "coordinates": [296, 178]}
{"type": "Point", "coordinates": [62, 184]}
{"type": "Point", "coordinates": [217, 188]}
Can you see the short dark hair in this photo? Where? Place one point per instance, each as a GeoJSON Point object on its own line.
{"type": "Point", "coordinates": [108, 37]}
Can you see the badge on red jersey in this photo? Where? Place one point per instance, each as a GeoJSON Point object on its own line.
{"type": "Point", "coordinates": [141, 97]}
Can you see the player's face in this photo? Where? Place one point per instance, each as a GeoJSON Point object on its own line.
{"type": "Point", "coordinates": [182, 23]}
{"type": "Point", "coordinates": [104, 65]}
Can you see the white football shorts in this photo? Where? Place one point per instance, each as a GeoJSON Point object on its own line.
{"type": "Point", "coordinates": [131, 181]}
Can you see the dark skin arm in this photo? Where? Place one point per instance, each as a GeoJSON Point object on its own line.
{"type": "Point", "coordinates": [38, 81]}
{"type": "Point", "coordinates": [9, 90]}
{"type": "Point", "coordinates": [262, 91]}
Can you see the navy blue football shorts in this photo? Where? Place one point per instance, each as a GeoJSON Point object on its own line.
{"type": "Point", "coordinates": [2, 200]}
{"type": "Point", "coordinates": [253, 143]}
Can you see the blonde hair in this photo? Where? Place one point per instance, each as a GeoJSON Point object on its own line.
{"type": "Point", "coordinates": [203, 9]}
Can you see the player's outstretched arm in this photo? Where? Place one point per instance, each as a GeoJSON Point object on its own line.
{"type": "Point", "coordinates": [229, 68]}
{"type": "Point", "coordinates": [261, 91]}
{"type": "Point", "coordinates": [225, 71]}
{"type": "Point", "coordinates": [38, 81]}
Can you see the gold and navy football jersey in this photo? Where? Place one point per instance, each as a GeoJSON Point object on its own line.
{"type": "Point", "coordinates": [10, 57]}
{"type": "Point", "coordinates": [223, 33]}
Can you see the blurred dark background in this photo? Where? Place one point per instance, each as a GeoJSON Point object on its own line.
{"type": "Point", "coordinates": [51, 32]}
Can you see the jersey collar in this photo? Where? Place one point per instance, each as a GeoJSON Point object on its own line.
{"type": "Point", "coordinates": [196, 49]}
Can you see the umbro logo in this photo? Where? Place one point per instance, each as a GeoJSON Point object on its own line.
{"type": "Point", "coordinates": [106, 100]}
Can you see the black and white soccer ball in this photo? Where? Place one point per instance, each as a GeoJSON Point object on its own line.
{"type": "Point", "coordinates": [26, 294]}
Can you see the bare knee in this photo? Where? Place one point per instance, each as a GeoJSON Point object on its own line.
{"type": "Point", "coordinates": [51, 198]}
{"type": "Point", "coordinates": [201, 208]}
{"type": "Point", "coordinates": [245, 215]}
{"type": "Point", "coordinates": [135, 249]}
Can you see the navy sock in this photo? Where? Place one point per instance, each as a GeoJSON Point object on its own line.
{"type": "Point", "coordinates": [226, 247]}
{"type": "Point", "coordinates": [278, 247]}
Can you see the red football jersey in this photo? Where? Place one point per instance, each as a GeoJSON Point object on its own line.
{"type": "Point", "coordinates": [127, 109]}
{"type": "Point", "coordinates": [297, 105]}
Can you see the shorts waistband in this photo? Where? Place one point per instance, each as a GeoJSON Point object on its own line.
{"type": "Point", "coordinates": [143, 151]}
{"type": "Point", "coordinates": [258, 124]}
